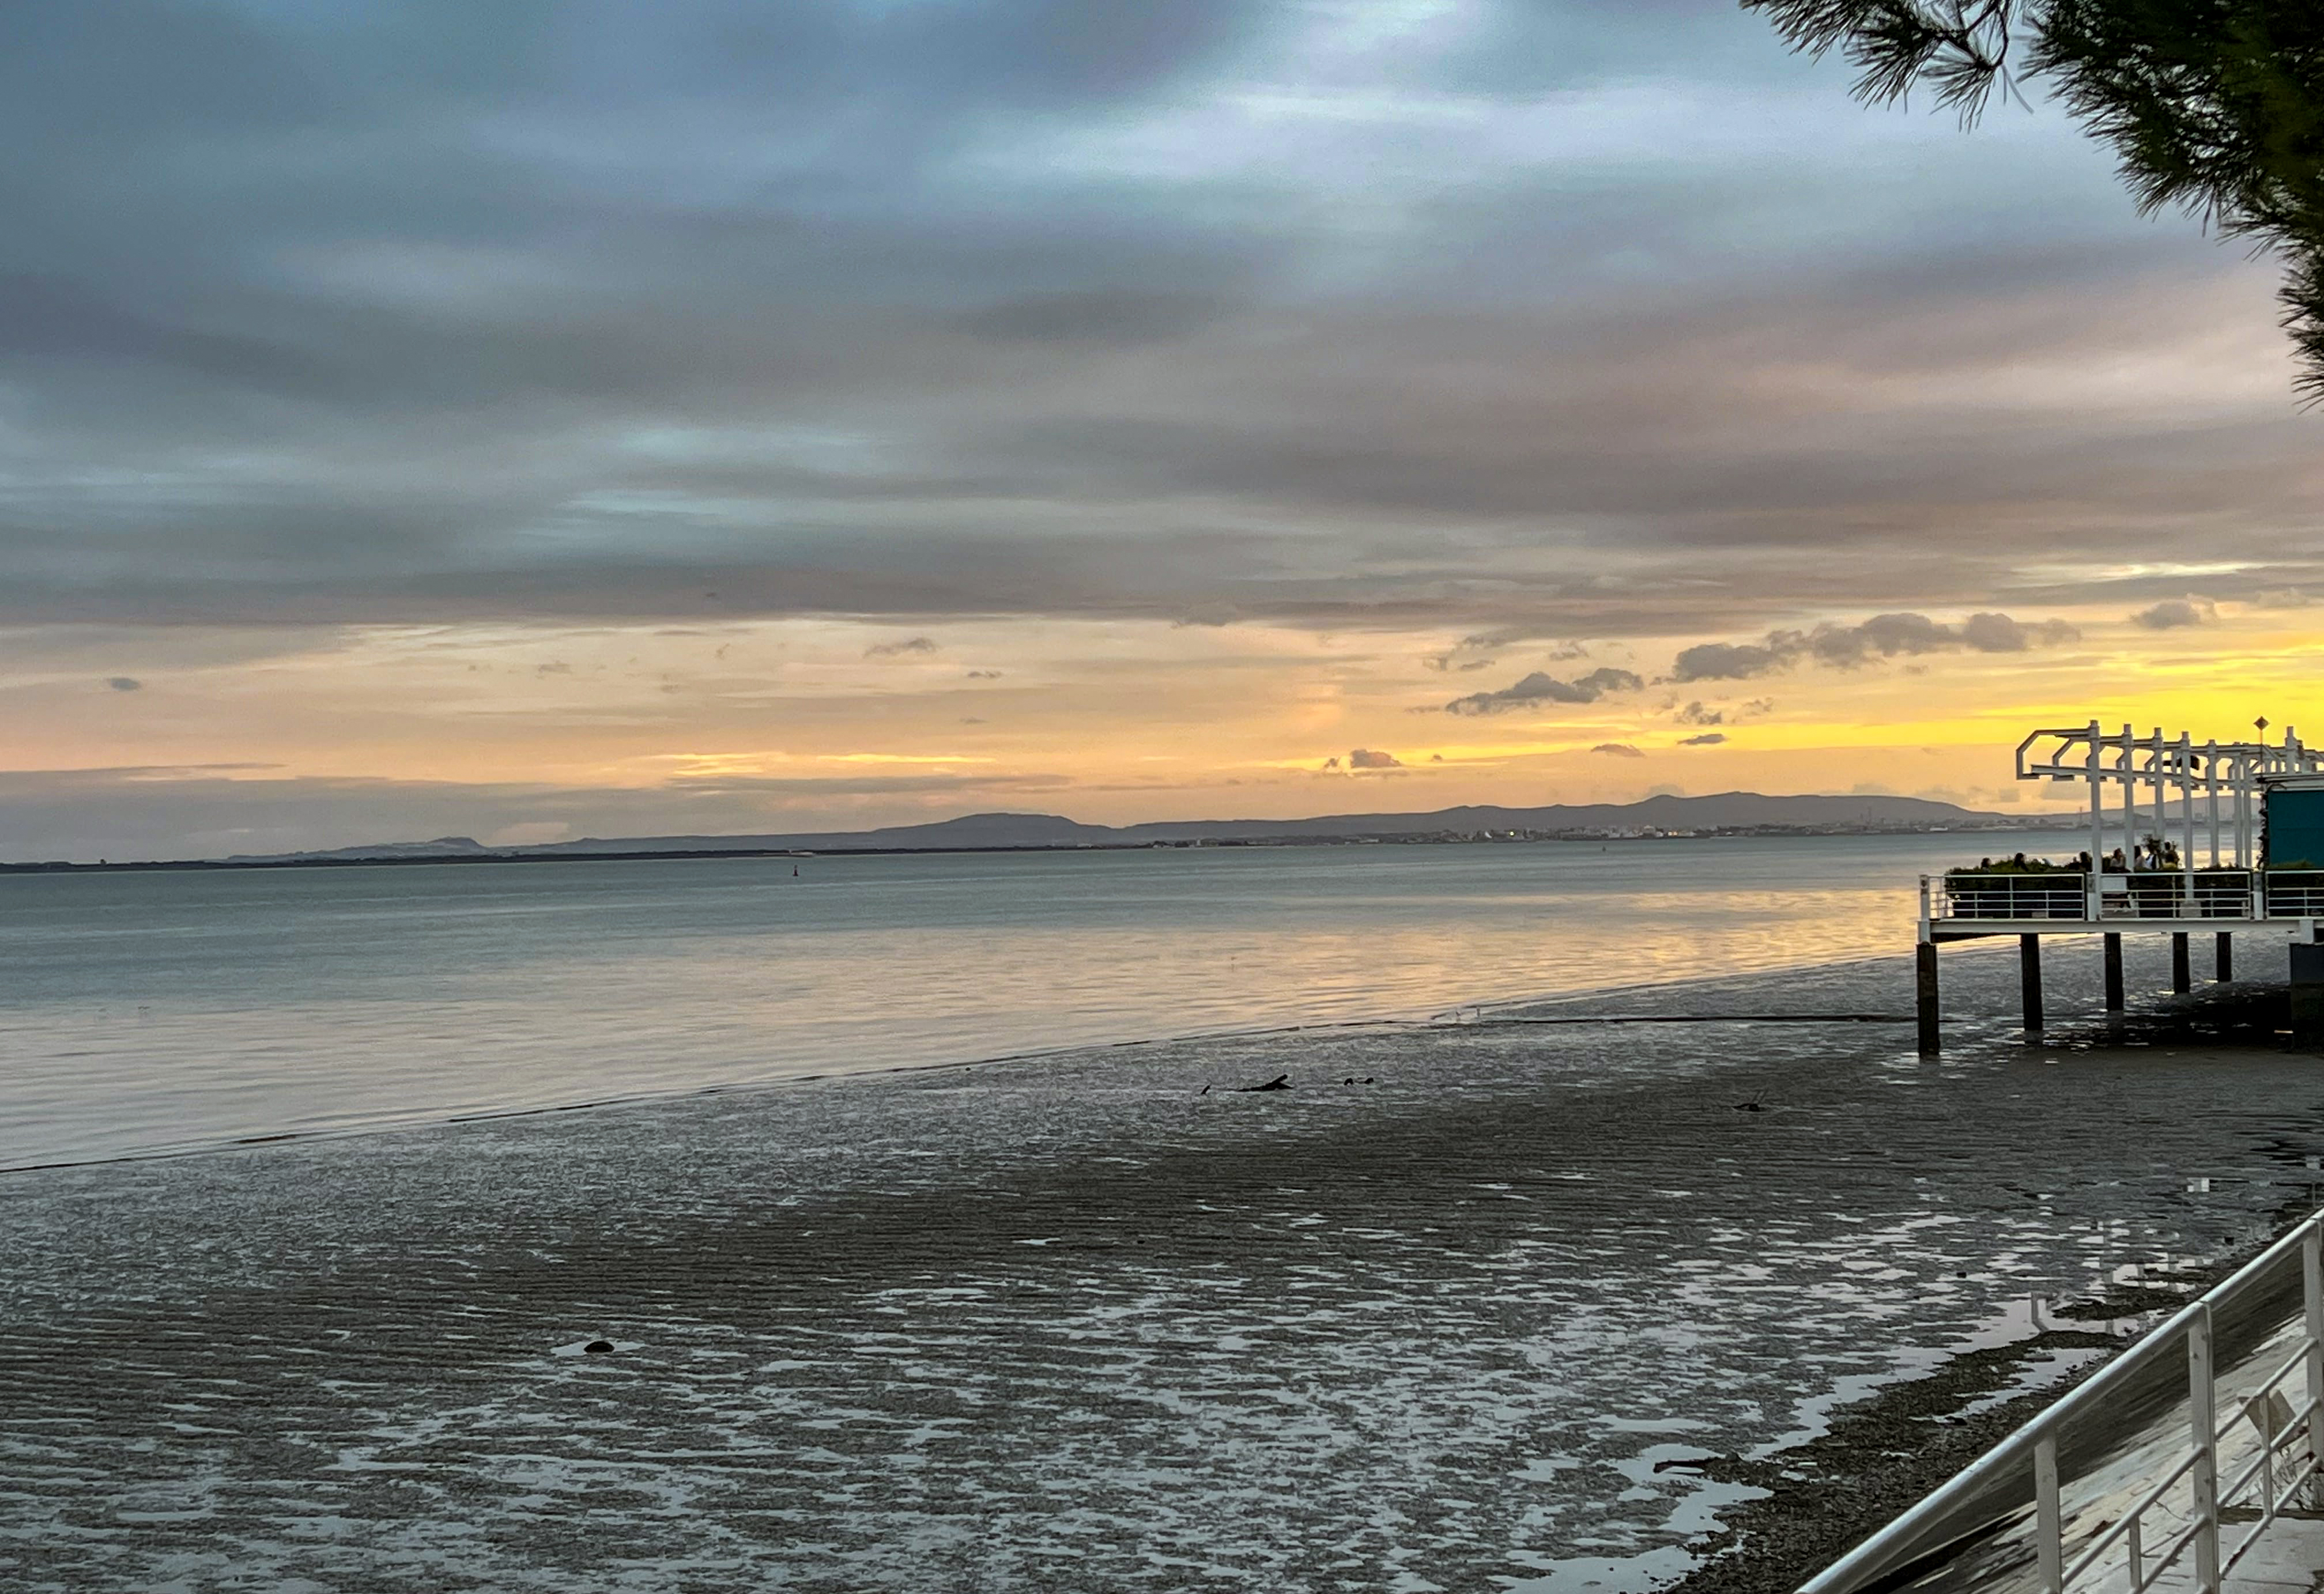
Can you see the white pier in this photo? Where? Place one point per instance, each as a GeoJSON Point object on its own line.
{"type": "Point", "coordinates": [2250, 809]}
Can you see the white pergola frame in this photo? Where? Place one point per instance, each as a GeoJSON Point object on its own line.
{"type": "Point", "coordinates": [2228, 776]}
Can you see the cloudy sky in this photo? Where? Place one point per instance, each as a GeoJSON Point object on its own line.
{"type": "Point", "coordinates": [538, 420]}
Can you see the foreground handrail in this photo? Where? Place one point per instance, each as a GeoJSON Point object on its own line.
{"type": "Point", "coordinates": [2034, 1445]}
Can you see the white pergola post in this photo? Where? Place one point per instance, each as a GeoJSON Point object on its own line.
{"type": "Point", "coordinates": [2097, 825]}
{"type": "Point", "coordinates": [2212, 777]}
{"type": "Point", "coordinates": [2186, 777]}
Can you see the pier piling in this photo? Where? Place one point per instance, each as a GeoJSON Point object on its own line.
{"type": "Point", "coordinates": [2224, 953]}
{"type": "Point", "coordinates": [2113, 939]}
{"type": "Point", "coordinates": [1924, 983]}
{"type": "Point", "coordinates": [2182, 974]}
{"type": "Point", "coordinates": [2029, 979]}
{"type": "Point", "coordinates": [2308, 996]}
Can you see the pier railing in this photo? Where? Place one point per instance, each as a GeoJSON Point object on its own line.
{"type": "Point", "coordinates": [2063, 895]}
{"type": "Point", "coordinates": [2245, 894]}
{"type": "Point", "coordinates": [2268, 1442]}
{"type": "Point", "coordinates": [2295, 893]}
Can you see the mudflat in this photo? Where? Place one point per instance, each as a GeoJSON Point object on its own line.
{"type": "Point", "coordinates": [1507, 1305]}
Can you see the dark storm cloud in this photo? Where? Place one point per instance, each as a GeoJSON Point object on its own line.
{"type": "Point", "coordinates": [1884, 636]}
{"type": "Point", "coordinates": [1530, 319]}
{"type": "Point", "coordinates": [1538, 688]}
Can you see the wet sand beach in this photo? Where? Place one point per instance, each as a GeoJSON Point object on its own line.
{"type": "Point", "coordinates": [1540, 1306]}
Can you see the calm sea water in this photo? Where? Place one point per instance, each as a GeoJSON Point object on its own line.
{"type": "Point", "coordinates": [141, 1013]}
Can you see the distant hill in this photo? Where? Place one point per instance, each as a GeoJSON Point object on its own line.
{"type": "Point", "coordinates": [1727, 811]}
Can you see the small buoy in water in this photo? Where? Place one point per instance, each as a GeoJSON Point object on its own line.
{"type": "Point", "coordinates": [598, 1348]}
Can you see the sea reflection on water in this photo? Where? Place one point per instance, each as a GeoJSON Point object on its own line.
{"type": "Point", "coordinates": [144, 1012]}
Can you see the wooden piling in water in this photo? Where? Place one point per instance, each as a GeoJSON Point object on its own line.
{"type": "Point", "coordinates": [2029, 979]}
{"type": "Point", "coordinates": [2308, 996]}
{"type": "Point", "coordinates": [1925, 981]}
{"type": "Point", "coordinates": [2113, 939]}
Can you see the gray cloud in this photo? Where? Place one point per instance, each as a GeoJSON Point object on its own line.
{"type": "Point", "coordinates": [1016, 309]}
{"type": "Point", "coordinates": [1538, 688]}
{"type": "Point", "coordinates": [1708, 739]}
{"type": "Point", "coordinates": [898, 649]}
{"type": "Point", "coordinates": [1845, 647]}
{"type": "Point", "coordinates": [1620, 750]}
{"type": "Point", "coordinates": [1365, 758]}
{"type": "Point", "coordinates": [1695, 713]}
{"type": "Point", "coordinates": [124, 683]}
{"type": "Point", "coordinates": [2172, 613]}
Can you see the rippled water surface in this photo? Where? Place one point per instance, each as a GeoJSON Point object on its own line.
{"type": "Point", "coordinates": [151, 1011]}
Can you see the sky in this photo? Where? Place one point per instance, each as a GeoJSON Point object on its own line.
{"type": "Point", "coordinates": [540, 420]}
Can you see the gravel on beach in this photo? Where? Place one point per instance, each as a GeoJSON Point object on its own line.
{"type": "Point", "coordinates": [1527, 1305]}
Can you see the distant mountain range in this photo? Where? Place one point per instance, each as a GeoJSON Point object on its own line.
{"type": "Point", "coordinates": [1728, 812]}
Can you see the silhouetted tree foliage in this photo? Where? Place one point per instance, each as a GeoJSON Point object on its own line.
{"type": "Point", "coordinates": [2215, 106]}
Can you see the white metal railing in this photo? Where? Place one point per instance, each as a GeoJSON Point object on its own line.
{"type": "Point", "coordinates": [2244, 894]}
{"type": "Point", "coordinates": [2207, 893]}
{"type": "Point", "coordinates": [2062, 895]}
{"type": "Point", "coordinates": [2289, 1438]}
{"type": "Point", "coordinates": [2295, 893]}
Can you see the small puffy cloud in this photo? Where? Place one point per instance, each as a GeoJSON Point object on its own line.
{"type": "Point", "coordinates": [1884, 636]}
{"type": "Point", "coordinates": [1708, 739]}
{"type": "Point", "coordinates": [898, 649]}
{"type": "Point", "coordinates": [2172, 613]}
{"type": "Point", "coordinates": [1619, 750]}
{"type": "Point", "coordinates": [983, 675]}
{"type": "Point", "coordinates": [1695, 713]}
{"type": "Point", "coordinates": [124, 683]}
{"type": "Point", "coordinates": [1475, 651]}
{"type": "Point", "coordinates": [1332, 764]}
{"type": "Point", "coordinates": [1998, 633]}
{"type": "Point", "coordinates": [1737, 661]}
{"type": "Point", "coordinates": [1538, 688]}
{"type": "Point", "coordinates": [1435, 757]}
{"type": "Point", "coordinates": [1365, 758]}
{"type": "Point", "coordinates": [1210, 614]}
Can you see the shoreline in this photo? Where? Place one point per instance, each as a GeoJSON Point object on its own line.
{"type": "Point", "coordinates": [1446, 1323]}
{"type": "Point", "coordinates": [1489, 1012]}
